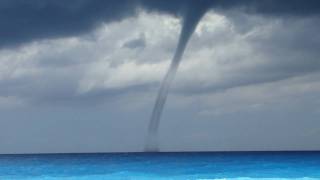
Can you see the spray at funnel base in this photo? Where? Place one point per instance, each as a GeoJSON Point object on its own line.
{"type": "Point", "coordinates": [191, 20]}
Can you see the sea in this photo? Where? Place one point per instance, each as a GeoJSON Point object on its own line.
{"type": "Point", "coordinates": [164, 166]}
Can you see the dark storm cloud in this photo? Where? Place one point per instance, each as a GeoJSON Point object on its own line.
{"type": "Point", "coordinates": [23, 21]}
{"type": "Point", "coordinates": [293, 7]}
{"type": "Point", "coordinates": [27, 20]}
{"type": "Point", "coordinates": [290, 53]}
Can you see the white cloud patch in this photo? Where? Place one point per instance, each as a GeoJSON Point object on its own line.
{"type": "Point", "coordinates": [102, 75]}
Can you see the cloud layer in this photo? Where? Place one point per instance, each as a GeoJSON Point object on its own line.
{"type": "Point", "coordinates": [110, 60]}
{"type": "Point", "coordinates": [25, 21]}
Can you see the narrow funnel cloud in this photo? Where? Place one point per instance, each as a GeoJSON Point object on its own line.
{"type": "Point", "coordinates": [193, 15]}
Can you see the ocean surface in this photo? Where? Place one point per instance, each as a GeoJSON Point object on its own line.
{"type": "Point", "coordinates": [234, 166]}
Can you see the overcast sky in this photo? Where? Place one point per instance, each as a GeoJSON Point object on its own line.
{"type": "Point", "coordinates": [82, 76]}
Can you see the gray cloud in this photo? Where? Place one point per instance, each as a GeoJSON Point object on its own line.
{"type": "Point", "coordinates": [220, 56]}
{"type": "Point", "coordinates": [266, 52]}
{"type": "Point", "coordinates": [139, 42]}
{"type": "Point", "coordinates": [250, 68]}
{"type": "Point", "coordinates": [23, 21]}
{"type": "Point", "coordinates": [82, 71]}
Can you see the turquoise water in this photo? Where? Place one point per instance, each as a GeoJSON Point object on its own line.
{"type": "Point", "coordinates": [237, 166]}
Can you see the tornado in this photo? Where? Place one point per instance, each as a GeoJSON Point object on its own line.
{"type": "Point", "coordinates": [193, 14]}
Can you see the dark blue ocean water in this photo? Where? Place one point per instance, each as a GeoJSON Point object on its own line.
{"type": "Point", "coordinates": [241, 165]}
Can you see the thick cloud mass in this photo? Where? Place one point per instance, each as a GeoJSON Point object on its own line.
{"type": "Point", "coordinates": [81, 74]}
{"type": "Point", "coordinates": [23, 21]}
{"type": "Point", "coordinates": [27, 20]}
